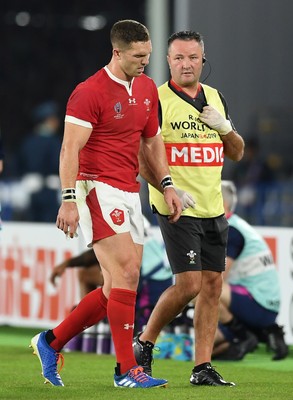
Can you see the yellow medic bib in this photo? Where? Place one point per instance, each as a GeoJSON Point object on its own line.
{"type": "Point", "coordinates": [194, 152]}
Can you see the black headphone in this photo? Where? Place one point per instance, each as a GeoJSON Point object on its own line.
{"type": "Point", "coordinates": [206, 62]}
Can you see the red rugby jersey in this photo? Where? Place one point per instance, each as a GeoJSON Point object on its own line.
{"type": "Point", "coordinates": [119, 116]}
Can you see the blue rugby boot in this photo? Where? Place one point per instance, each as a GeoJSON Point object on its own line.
{"type": "Point", "coordinates": [49, 358]}
{"type": "Point", "coordinates": [135, 378]}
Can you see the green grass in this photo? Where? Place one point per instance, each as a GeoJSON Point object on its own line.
{"type": "Point", "coordinates": [89, 376]}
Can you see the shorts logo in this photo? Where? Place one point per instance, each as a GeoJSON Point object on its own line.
{"type": "Point", "coordinates": [191, 256]}
{"type": "Point", "coordinates": [117, 216]}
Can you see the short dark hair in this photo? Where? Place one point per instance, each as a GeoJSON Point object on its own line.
{"type": "Point", "coordinates": [186, 35]}
{"type": "Point", "coordinates": [127, 31]}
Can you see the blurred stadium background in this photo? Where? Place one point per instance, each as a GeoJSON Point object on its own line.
{"type": "Point", "coordinates": [48, 47]}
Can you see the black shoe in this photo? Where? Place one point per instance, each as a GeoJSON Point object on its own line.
{"type": "Point", "coordinates": [234, 352]}
{"type": "Point", "coordinates": [276, 342]}
{"type": "Point", "coordinates": [249, 344]}
{"type": "Point", "coordinates": [143, 352]}
{"type": "Point", "coordinates": [208, 376]}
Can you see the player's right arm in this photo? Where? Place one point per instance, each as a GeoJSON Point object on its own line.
{"type": "Point", "coordinates": [74, 139]}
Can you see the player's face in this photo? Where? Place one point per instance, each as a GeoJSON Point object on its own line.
{"type": "Point", "coordinates": [134, 59]}
{"type": "Point", "coordinates": [185, 62]}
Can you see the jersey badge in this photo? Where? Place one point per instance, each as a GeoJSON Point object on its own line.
{"type": "Point", "coordinates": [191, 256]}
{"type": "Point", "coordinates": [118, 109]}
{"type": "Point", "coordinates": [147, 102]}
{"type": "Point", "coordinates": [117, 216]}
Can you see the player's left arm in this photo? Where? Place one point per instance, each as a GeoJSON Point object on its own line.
{"type": "Point", "coordinates": [145, 170]}
{"type": "Point", "coordinates": [154, 168]}
{"type": "Point", "coordinates": [147, 173]}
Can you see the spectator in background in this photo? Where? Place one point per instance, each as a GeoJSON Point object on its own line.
{"type": "Point", "coordinates": [1, 154]}
{"type": "Point", "coordinates": [252, 168]}
{"type": "Point", "coordinates": [1, 169]}
{"type": "Point", "coordinates": [253, 176]}
{"type": "Point", "coordinates": [250, 299]}
{"type": "Point", "coordinates": [38, 163]}
{"type": "Point", "coordinates": [89, 271]}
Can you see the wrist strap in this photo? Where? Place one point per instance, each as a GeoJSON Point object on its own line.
{"type": "Point", "coordinates": [166, 182]}
{"type": "Point", "coordinates": [69, 197]}
{"type": "Point", "coordinates": [68, 191]}
{"type": "Point", "coordinates": [68, 194]}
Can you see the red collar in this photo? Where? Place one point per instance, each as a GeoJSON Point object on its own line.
{"type": "Point", "coordinates": [179, 89]}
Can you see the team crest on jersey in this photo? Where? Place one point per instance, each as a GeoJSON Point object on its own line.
{"type": "Point", "coordinates": [147, 102]}
{"type": "Point", "coordinates": [117, 216]}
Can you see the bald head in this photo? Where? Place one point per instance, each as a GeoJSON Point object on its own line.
{"type": "Point", "coordinates": [229, 196]}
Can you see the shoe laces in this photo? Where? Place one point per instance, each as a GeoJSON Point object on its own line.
{"type": "Point", "coordinates": [213, 371]}
{"type": "Point", "coordinates": [138, 375]}
{"type": "Point", "coordinates": [60, 361]}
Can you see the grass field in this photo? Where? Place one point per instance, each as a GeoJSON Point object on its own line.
{"type": "Point", "coordinates": [89, 376]}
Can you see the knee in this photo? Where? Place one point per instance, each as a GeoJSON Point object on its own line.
{"type": "Point", "coordinates": [131, 270]}
{"type": "Point", "coordinates": [188, 291]}
{"type": "Point", "coordinates": [212, 285]}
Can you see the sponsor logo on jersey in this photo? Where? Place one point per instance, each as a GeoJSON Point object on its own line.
{"type": "Point", "coordinates": [132, 102]}
{"type": "Point", "coordinates": [195, 154]}
{"type": "Point", "coordinates": [89, 176]}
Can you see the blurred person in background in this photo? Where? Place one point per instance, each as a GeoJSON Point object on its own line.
{"type": "Point", "coordinates": [38, 164]}
{"type": "Point", "coordinates": [197, 132]}
{"type": "Point", "coordinates": [89, 271]}
{"type": "Point", "coordinates": [1, 169]}
{"type": "Point", "coordinates": [108, 116]}
{"type": "Point", "coordinates": [250, 300]}
{"type": "Point", "coordinates": [1, 154]}
{"type": "Point", "coordinates": [254, 178]}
